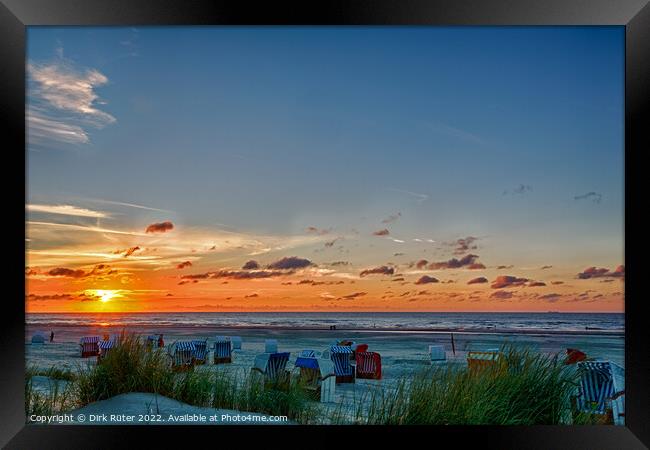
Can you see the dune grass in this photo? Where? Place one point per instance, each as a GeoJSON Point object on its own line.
{"type": "Point", "coordinates": [520, 388]}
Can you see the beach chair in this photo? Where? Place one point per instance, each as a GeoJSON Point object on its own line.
{"type": "Point", "coordinates": [182, 355]}
{"type": "Point", "coordinates": [89, 346]}
{"type": "Point", "coordinates": [155, 341]}
{"type": "Point", "coordinates": [38, 338]}
{"type": "Point", "coordinates": [270, 346]}
{"type": "Point", "coordinates": [598, 394]}
{"type": "Point", "coordinates": [200, 351]}
{"type": "Point", "coordinates": [273, 369]}
{"type": "Point", "coordinates": [340, 357]}
{"type": "Point", "coordinates": [437, 353]}
{"type": "Point", "coordinates": [477, 360]}
{"type": "Point", "coordinates": [236, 342]}
{"type": "Point", "coordinates": [222, 350]}
{"type": "Point", "coordinates": [104, 349]}
{"type": "Point", "coordinates": [368, 365]}
{"type": "Point", "coordinates": [317, 376]}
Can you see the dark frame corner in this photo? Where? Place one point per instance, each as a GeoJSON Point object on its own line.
{"type": "Point", "coordinates": [15, 15]}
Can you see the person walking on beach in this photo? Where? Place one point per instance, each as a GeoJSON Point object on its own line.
{"type": "Point", "coordinates": [52, 336]}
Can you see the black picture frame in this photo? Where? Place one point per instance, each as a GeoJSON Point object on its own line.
{"type": "Point", "coordinates": [634, 15]}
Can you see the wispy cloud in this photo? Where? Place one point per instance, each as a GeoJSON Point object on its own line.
{"type": "Point", "coordinates": [448, 130]}
{"type": "Point", "coordinates": [67, 210]}
{"type": "Point", "coordinates": [593, 196]}
{"type": "Point", "coordinates": [63, 101]}
{"type": "Point", "coordinates": [84, 228]}
{"type": "Point", "coordinates": [418, 197]}
{"type": "Point", "coordinates": [519, 190]}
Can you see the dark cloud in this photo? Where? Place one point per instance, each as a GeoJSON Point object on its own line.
{"type": "Point", "coordinates": [502, 295]}
{"type": "Point", "coordinates": [382, 270]}
{"type": "Point", "coordinates": [251, 265]}
{"type": "Point", "coordinates": [557, 282]}
{"type": "Point", "coordinates": [331, 243]}
{"type": "Point", "coordinates": [251, 296]}
{"type": "Point", "coordinates": [546, 267]}
{"type": "Point", "coordinates": [352, 296]}
{"type": "Point", "coordinates": [421, 264]}
{"type": "Point", "coordinates": [504, 281]}
{"type": "Point", "coordinates": [392, 218]}
{"type": "Point", "coordinates": [504, 267]}
{"type": "Point", "coordinates": [463, 245]}
{"type": "Point", "coordinates": [596, 272]}
{"type": "Point", "coordinates": [397, 279]}
{"type": "Point", "coordinates": [536, 284]}
{"type": "Point", "coordinates": [290, 262]}
{"type": "Point", "coordinates": [552, 297]}
{"type": "Point", "coordinates": [131, 251]}
{"type": "Point", "coordinates": [468, 261]}
{"type": "Point", "coordinates": [425, 279]}
{"type": "Point", "coordinates": [236, 274]}
{"type": "Point", "coordinates": [383, 232]}
{"type": "Point", "coordinates": [593, 196]}
{"type": "Point", "coordinates": [478, 280]}
{"type": "Point", "coordinates": [339, 263]}
{"type": "Point", "coordinates": [519, 190]}
{"type": "Point", "coordinates": [184, 264]}
{"type": "Point", "coordinates": [160, 227]}
{"type": "Point", "coordinates": [98, 270]}
{"type": "Point", "coordinates": [37, 298]}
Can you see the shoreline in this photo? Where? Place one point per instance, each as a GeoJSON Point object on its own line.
{"type": "Point", "coordinates": [390, 330]}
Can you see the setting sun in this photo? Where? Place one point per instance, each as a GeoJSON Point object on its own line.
{"type": "Point", "coordinates": [103, 294]}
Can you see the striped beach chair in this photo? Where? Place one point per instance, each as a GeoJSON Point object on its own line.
{"type": "Point", "coordinates": [104, 349]}
{"type": "Point", "coordinates": [200, 351]}
{"type": "Point", "coordinates": [89, 346]}
{"type": "Point", "coordinates": [597, 392]}
{"type": "Point", "coordinates": [182, 355]}
{"type": "Point", "coordinates": [340, 356]}
{"type": "Point", "coordinates": [222, 350]}
{"type": "Point", "coordinates": [317, 376]}
{"type": "Point", "coordinates": [368, 365]}
{"type": "Point", "coordinates": [273, 368]}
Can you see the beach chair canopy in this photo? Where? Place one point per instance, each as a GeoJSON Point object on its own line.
{"type": "Point", "coordinates": [182, 346]}
{"type": "Point", "coordinates": [222, 348]}
{"type": "Point", "coordinates": [596, 386]}
{"type": "Point", "coordinates": [307, 360]}
{"type": "Point", "coordinates": [106, 345]}
{"type": "Point", "coordinates": [341, 358]}
{"type": "Point", "coordinates": [89, 340]}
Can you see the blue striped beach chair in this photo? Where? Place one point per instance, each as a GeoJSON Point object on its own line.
{"type": "Point", "coordinates": [182, 355]}
{"type": "Point", "coordinates": [596, 392]}
{"type": "Point", "coordinates": [273, 367]}
{"type": "Point", "coordinates": [340, 356]}
{"type": "Point", "coordinates": [200, 351]}
{"type": "Point", "coordinates": [104, 349]}
{"type": "Point", "coordinates": [222, 350]}
{"type": "Point", "coordinates": [89, 346]}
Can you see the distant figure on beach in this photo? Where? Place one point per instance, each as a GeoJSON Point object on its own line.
{"type": "Point", "coordinates": [52, 336]}
{"type": "Point", "coordinates": [332, 327]}
{"type": "Point", "coordinates": [161, 343]}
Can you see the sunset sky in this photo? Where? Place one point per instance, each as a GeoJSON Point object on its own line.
{"type": "Point", "coordinates": [325, 169]}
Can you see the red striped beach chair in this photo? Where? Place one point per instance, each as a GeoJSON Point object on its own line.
{"type": "Point", "coordinates": [369, 365]}
{"type": "Point", "coordinates": [89, 346]}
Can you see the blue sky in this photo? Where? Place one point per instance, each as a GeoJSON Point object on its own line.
{"type": "Point", "coordinates": [488, 132]}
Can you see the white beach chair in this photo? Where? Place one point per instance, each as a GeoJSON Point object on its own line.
{"type": "Point", "coordinates": [437, 353]}
{"type": "Point", "coordinates": [317, 375]}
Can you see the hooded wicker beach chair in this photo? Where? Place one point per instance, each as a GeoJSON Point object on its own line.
{"type": "Point", "coordinates": [601, 391]}
{"type": "Point", "coordinates": [182, 355]}
{"type": "Point", "coordinates": [200, 351]}
{"type": "Point", "coordinates": [222, 348]}
{"type": "Point", "coordinates": [340, 357]}
{"type": "Point", "coordinates": [104, 348]}
{"type": "Point", "coordinates": [155, 341]}
{"type": "Point", "coordinates": [89, 346]}
{"type": "Point", "coordinates": [477, 360]}
{"type": "Point", "coordinates": [368, 365]}
{"type": "Point", "coordinates": [273, 369]}
{"type": "Point", "coordinates": [317, 376]}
